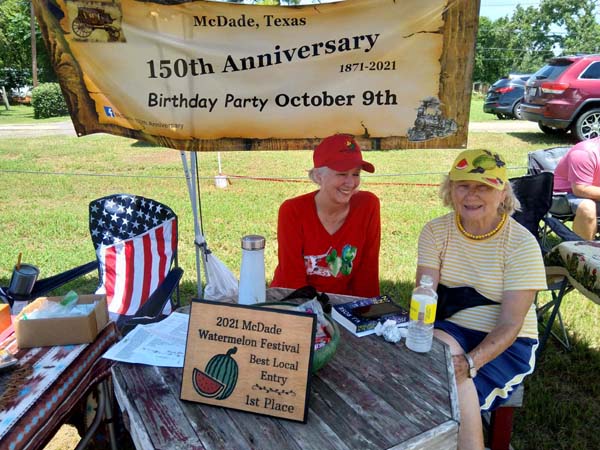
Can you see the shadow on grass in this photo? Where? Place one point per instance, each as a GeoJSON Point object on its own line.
{"type": "Point", "coordinates": [543, 140]}
{"type": "Point", "coordinates": [399, 291]}
{"type": "Point", "coordinates": [142, 144]}
{"type": "Point", "coordinates": [561, 401]}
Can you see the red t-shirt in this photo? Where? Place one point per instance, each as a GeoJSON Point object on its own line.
{"type": "Point", "coordinates": [346, 262]}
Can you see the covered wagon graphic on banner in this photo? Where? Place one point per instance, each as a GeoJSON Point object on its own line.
{"type": "Point", "coordinates": [96, 21]}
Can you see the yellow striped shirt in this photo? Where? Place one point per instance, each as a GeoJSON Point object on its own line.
{"type": "Point", "coordinates": [510, 260]}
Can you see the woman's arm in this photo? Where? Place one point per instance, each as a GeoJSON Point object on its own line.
{"type": "Point", "coordinates": [365, 279]}
{"type": "Point", "coordinates": [515, 305]}
{"type": "Point", "coordinates": [429, 257]}
{"type": "Point", "coordinates": [433, 273]}
{"type": "Point", "coordinates": [290, 271]}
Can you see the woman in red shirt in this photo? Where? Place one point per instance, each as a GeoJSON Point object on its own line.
{"type": "Point", "coordinates": [330, 238]}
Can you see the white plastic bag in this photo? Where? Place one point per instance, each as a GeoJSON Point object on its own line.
{"type": "Point", "coordinates": [49, 309]}
{"type": "Point", "coordinates": [221, 284]}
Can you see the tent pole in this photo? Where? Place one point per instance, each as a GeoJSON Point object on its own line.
{"type": "Point", "coordinates": [200, 239]}
{"type": "Point", "coordinates": [192, 194]}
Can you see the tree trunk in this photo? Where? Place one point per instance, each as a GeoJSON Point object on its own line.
{"type": "Point", "coordinates": [33, 49]}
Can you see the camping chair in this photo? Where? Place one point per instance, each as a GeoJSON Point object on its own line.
{"type": "Point", "coordinates": [535, 194]}
{"type": "Point", "coordinates": [136, 243]}
{"type": "Point", "coordinates": [546, 160]}
{"type": "Point", "coordinates": [135, 239]}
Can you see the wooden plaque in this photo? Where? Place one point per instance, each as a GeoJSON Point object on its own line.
{"type": "Point", "coordinates": [249, 358]}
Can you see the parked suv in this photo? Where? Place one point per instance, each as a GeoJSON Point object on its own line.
{"type": "Point", "coordinates": [564, 95]}
{"type": "Point", "coordinates": [504, 97]}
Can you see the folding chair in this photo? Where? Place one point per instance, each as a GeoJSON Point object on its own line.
{"type": "Point", "coordinates": [546, 160]}
{"type": "Point", "coordinates": [535, 194]}
{"type": "Point", "coordinates": [136, 246]}
{"type": "Point", "coordinates": [136, 243]}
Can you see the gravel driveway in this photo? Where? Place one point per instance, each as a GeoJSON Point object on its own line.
{"type": "Point", "coordinates": [504, 126]}
{"type": "Point", "coordinates": [33, 130]}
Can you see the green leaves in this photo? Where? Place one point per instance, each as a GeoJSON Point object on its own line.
{"type": "Point", "coordinates": [524, 42]}
{"type": "Point", "coordinates": [15, 46]}
{"type": "Point", "coordinates": [48, 101]}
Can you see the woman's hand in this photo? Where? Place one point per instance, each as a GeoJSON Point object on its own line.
{"type": "Point", "coordinates": [461, 367]}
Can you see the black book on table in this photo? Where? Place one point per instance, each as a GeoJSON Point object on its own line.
{"type": "Point", "coordinates": [360, 317]}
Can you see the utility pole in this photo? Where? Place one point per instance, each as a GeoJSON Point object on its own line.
{"type": "Point", "coordinates": [33, 48]}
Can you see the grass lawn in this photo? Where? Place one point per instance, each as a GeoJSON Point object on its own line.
{"type": "Point", "coordinates": [46, 184]}
{"type": "Point", "coordinates": [23, 114]}
{"type": "Point", "coordinates": [476, 113]}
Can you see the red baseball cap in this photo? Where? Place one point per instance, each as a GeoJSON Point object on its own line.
{"type": "Point", "coordinates": [340, 152]}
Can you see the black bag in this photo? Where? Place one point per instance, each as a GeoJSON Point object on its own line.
{"type": "Point", "coordinates": [453, 300]}
{"type": "Point", "coordinates": [560, 204]}
{"type": "Point", "coordinates": [309, 292]}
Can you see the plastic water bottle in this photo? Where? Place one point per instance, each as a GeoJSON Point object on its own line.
{"type": "Point", "coordinates": [422, 315]}
{"type": "Point", "coordinates": [252, 273]}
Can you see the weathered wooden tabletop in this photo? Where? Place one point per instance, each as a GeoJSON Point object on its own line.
{"type": "Point", "coordinates": [371, 395]}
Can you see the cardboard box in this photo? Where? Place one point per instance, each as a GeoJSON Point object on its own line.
{"type": "Point", "coordinates": [5, 320]}
{"type": "Point", "coordinates": [63, 330]}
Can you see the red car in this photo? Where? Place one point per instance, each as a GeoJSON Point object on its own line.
{"type": "Point", "coordinates": [564, 95]}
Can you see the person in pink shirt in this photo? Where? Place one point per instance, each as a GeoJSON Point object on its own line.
{"type": "Point", "coordinates": [330, 238]}
{"type": "Point", "coordinates": [578, 174]}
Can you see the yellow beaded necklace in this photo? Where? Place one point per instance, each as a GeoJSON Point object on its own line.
{"type": "Point", "coordinates": [479, 237]}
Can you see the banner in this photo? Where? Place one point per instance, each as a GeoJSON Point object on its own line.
{"type": "Point", "coordinates": [183, 72]}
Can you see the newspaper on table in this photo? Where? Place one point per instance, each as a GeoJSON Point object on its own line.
{"type": "Point", "coordinates": [156, 344]}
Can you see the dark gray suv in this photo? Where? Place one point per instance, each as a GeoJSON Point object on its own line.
{"type": "Point", "coordinates": [564, 95]}
{"type": "Point", "coordinates": [505, 96]}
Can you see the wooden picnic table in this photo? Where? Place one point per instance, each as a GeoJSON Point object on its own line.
{"type": "Point", "coordinates": [371, 395]}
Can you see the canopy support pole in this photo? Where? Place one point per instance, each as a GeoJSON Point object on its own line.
{"type": "Point", "coordinates": [199, 240]}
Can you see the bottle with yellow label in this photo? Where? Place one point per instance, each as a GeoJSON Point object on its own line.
{"type": "Point", "coordinates": [422, 315]}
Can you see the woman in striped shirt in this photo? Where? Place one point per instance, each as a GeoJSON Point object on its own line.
{"type": "Point", "coordinates": [487, 269]}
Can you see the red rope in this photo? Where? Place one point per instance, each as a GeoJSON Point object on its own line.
{"type": "Point", "coordinates": [278, 180]}
{"type": "Point", "coordinates": [290, 180]}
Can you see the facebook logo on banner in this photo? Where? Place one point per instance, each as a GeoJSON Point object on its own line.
{"type": "Point", "coordinates": [109, 111]}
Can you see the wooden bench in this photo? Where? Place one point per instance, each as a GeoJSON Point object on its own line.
{"type": "Point", "coordinates": [500, 422]}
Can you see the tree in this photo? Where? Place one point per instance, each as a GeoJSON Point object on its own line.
{"type": "Point", "coordinates": [16, 48]}
{"type": "Point", "coordinates": [525, 41]}
{"type": "Point", "coordinates": [492, 58]}
{"type": "Point", "coordinates": [579, 20]}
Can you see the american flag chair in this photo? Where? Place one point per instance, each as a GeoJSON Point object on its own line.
{"type": "Point", "coordinates": [135, 239]}
{"type": "Point", "coordinates": [136, 246]}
